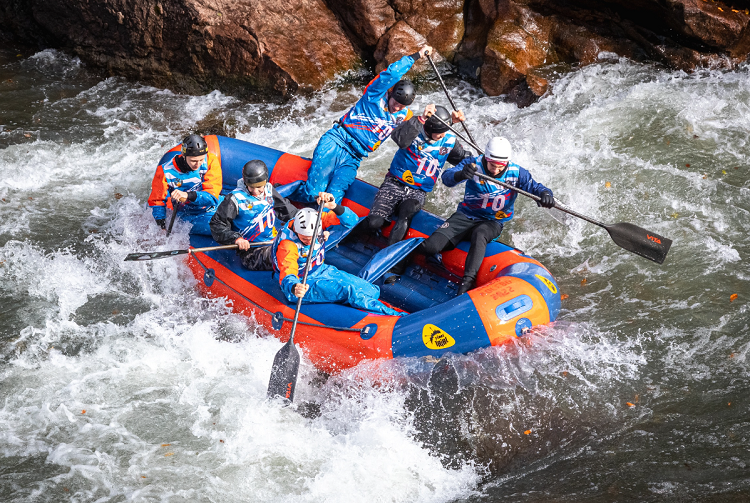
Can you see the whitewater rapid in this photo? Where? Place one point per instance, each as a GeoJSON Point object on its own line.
{"type": "Point", "coordinates": [120, 382]}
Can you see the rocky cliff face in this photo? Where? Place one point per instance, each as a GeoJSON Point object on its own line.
{"type": "Point", "coordinates": [283, 47]}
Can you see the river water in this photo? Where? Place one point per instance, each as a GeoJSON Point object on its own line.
{"type": "Point", "coordinates": [121, 383]}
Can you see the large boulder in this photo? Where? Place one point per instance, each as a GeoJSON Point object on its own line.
{"type": "Point", "coordinates": [193, 44]}
{"type": "Point", "coordinates": [399, 41]}
{"type": "Point", "coordinates": [366, 20]}
{"type": "Point", "coordinates": [440, 22]}
{"type": "Point", "coordinates": [282, 47]}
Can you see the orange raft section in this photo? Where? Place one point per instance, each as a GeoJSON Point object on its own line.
{"type": "Point", "coordinates": [514, 293]}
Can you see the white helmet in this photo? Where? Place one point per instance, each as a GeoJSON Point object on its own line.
{"type": "Point", "coordinates": [304, 221]}
{"type": "Point", "coordinates": [498, 149]}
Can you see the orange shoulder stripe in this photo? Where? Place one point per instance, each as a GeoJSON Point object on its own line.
{"type": "Point", "coordinates": [213, 179]}
{"type": "Point", "coordinates": [159, 188]}
{"type": "Point", "coordinates": [287, 255]}
{"type": "Point", "coordinates": [329, 219]}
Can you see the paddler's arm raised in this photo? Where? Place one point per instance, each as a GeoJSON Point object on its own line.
{"type": "Point", "coordinates": [388, 77]}
{"type": "Point", "coordinates": [405, 132]}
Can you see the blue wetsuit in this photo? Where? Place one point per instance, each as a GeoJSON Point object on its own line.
{"type": "Point", "coordinates": [326, 282]}
{"type": "Point", "coordinates": [360, 131]}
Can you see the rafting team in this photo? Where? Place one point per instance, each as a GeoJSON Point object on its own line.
{"type": "Point", "coordinates": [253, 212]}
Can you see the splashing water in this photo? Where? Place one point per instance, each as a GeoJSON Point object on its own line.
{"type": "Point", "coordinates": [121, 383]}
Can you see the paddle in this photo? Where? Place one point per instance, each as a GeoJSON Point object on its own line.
{"type": "Point", "coordinates": [283, 381]}
{"type": "Point", "coordinates": [173, 253]}
{"type": "Point", "coordinates": [171, 220]}
{"type": "Point", "coordinates": [447, 94]}
{"type": "Point", "coordinates": [635, 239]}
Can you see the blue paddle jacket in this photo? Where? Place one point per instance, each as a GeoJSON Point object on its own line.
{"type": "Point", "coordinates": [485, 200]}
{"type": "Point", "coordinates": [369, 121]}
{"type": "Point", "coordinates": [290, 254]}
{"type": "Point", "coordinates": [419, 161]}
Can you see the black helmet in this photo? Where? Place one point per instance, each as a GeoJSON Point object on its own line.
{"type": "Point", "coordinates": [403, 92]}
{"type": "Point", "coordinates": [255, 173]}
{"type": "Point", "coordinates": [434, 126]}
{"type": "Point", "coordinates": [194, 145]}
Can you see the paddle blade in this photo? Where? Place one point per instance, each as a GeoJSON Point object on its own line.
{"type": "Point", "coordinates": [154, 255]}
{"type": "Point", "coordinates": [640, 241]}
{"type": "Point", "coordinates": [283, 380]}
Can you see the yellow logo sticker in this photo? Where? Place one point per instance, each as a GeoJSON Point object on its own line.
{"type": "Point", "coordinates": [547, 282]}
{"type": "Point", "coordinates": [501, 214]}
{"type": "Point", "coordinates": [436, 338]}
{"type": "Point", "coordinates": [375, 147]}
{"type": "Point", "coordinates": [408, 177]}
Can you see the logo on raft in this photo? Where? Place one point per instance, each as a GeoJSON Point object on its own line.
{"type": "Point", "coordinates": [547, 282]}
{"type": "Point", "coordinates": [436, 338]}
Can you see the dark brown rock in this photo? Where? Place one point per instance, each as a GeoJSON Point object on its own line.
{"type": "Point", "coordinates": [194, 44]}
{"type": "Point", "coordinates": [440, 22]}
{"type": "Point", "coordinates": [516, 44]}
{"type": "Point", "coordinates": [367, 20]}
{"type": "Point", "coordinates": [400, 40]}
{"type": "Point", "coordinates": [271, 45]}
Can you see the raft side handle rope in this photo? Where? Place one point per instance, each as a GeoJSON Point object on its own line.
{"type": "Point", "coordinates": [278, 319]}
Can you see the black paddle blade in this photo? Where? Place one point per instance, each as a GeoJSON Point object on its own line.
{"type": "Point", "coordinates": [154, 255]}
{"type": "Point", "coordinates": [283, 380]}
{"type": "Point", "coordinates": [640, 241]}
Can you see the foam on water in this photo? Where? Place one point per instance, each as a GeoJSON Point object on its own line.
{"type": "Point", "coordinates": [173, 384]}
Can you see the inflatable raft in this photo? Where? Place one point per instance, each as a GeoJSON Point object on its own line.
{"type": "Point", "coordinates": [514, 292]}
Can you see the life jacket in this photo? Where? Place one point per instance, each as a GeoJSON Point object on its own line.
{"type": "Point", "coordinates": [490, 201]}
{"type": "Point", "coordinates": [419, 164]}
{"type": "Point", "coordinates": [206, 181]}
{"type": "Point", "coordinates": [287, 234]}
{"type": "Point", "coordinates": [369, 121]}
{"type": "Point", "coordinates": [255, 219]}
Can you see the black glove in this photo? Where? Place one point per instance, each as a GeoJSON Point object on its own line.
{"type": "Point", "coordinates": [546, 200]}
{"type": "Point", "coordinates": [161, 223]}
{"type": "Point", "coordinates": [467, 173]}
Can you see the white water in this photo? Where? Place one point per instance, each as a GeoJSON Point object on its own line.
{"type": "Point", "coordinates": [152, 363]}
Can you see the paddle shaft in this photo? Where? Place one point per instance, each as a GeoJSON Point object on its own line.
{"type": "Point", "coordinates": [447, 94]}
{"type": "Point", "coordinates": [171, 220]}
{"type": "Point", "coordinates": [558, 205]}
{"type": "Point", "coordinates": [172, 253]}
{"type": "Point", "coordinates": [630, 237]}
{"type": "Point", "coordinates": [308, 264]}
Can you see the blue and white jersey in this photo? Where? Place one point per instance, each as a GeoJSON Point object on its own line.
{"type": "Point", "coordinates": [485, 200]}
{"type": "Point", "coordinates": [369, 121]}
{"type": "Point", "coordinates": [420, 164]}
{"type": "Point", "coordinates": [256, 220]}
{"type": "Point", "coordinates": [205, 182]}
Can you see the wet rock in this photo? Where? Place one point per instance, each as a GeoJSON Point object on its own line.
{"type": "Point", "coordinates": [193, 45]}
{"type": "Point", "coordinates": [366, 20]}
{"type": "Point", "coordinates": [213, 124]}
{"type": "Point", "coordinates": [516, 44]}
{"type": "Point", "coordinates": [246, 46]}
{"type": "Point", "coordinates": [441, 23]}
{"type": "Point", "coordinates": [401, 39]}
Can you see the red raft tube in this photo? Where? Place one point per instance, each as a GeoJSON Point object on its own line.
{"type": "Point", "coordinates": [514, 292]}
